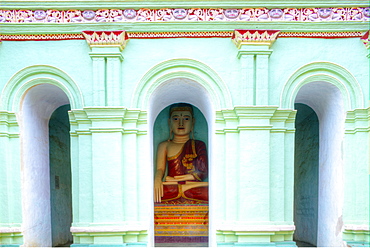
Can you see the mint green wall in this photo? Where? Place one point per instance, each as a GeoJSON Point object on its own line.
{"type": "Point", "coordinates": [349, 53]}
{"type": "Point", "coordinates": [111, 198]}
{"type": "Point", "coordinates": [72, 57]}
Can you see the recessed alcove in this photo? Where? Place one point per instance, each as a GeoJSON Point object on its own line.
{"type": "Point", "coordinates": [319, 172]}
{"type": "Point", "coordinates": [188, 91]}
{"type": "Point", "coordinates": [38, 105]}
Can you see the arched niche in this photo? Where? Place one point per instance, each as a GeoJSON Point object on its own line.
{"type": "Point", "coordinates": [28, 77]}
{"type": "Point", "coordinates": [33, 94]}
{"type": "Point", "coordinates": [327, 101]}
{"type": "Point", "coordinates": [36, 108]}
{"type": "Point", "coordinates": [330, 91]}
{"type": "Point", "coordinates": [190, 69]}
{"type": "Point", "coordinates": [183, 90]}
{"type": "Point", "coordinates": [334, 74]}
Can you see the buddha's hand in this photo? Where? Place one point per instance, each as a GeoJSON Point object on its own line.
{"type": "Point", "coordinates": [185, 177]}
{"type": "Point", "coordinates": [158, 190]}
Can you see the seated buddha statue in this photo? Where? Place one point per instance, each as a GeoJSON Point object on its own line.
{"type": "Point", "coordinates": [186, 160]}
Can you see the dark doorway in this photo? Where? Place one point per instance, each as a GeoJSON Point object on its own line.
{"type": "Point", "coordinates": [306, 175]}
{"type": "Point", "coordinates": [60, 177]}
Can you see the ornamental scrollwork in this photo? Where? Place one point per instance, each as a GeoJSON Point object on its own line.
{"type": "Point", "coordinates": [181, 14]}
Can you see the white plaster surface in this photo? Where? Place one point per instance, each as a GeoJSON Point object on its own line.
{"type": "Point", "coordinates": [37, 107]}
{"type": "Point", "coordinates": [326, 100]}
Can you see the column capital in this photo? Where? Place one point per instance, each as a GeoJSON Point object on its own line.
{"type": "Point", "coordinates": [365, 39]}
{"type": "Point", "coordinates": [254, 37]}
{"type": "Point", "coordinates": [106, 38]}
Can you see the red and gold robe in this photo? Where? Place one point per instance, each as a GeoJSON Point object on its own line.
{"type": "Point", "coordinates": [192, 159]}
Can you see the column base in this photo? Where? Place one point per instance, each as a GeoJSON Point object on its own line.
{"type": "Point", "coordinates": [257, 236]}
{"type": "Point", "coordinates": [142, 244]}
{"type": "Point", "coordinates": [357, 235]}
{"type": "Point", "coordinates": [11, 237]}
{"type": "Point", "coordinates": [257, 244]}
{"type": "Point", "coordinates": [108, 237]}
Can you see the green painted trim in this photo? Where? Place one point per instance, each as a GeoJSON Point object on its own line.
{"type": "Point", "coordinates": [271, 118]}
{"type": "Point", "coordinates": [358, 120]}
{"type": "Point", "coordinates": [356, 236]}
{"type": "Point", "coordinates": [358, 244]}
{"type": "Point", "coordinates": [255, 238]}
{"type": "Point", "coordinates": [30, 76]}
{"type": "Point", "coordinates": [110, 239]}
{"type": "Point", "coordinates": [11, 239]}
{"type": "Point", "coordinates": [106, 245]}
{"type": "Point", "coordinates": [126, 121]}
{"type": "Point", "coordinates": [327, 72]}
{"type": "Point", "coordinates": [8, 125]}
{"type": "Point", "coordinates": [142, 244]}
{"type": "Point", "coordinates": [255, 244]}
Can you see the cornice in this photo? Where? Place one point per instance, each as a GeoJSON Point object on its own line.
{"type": "Point", "coordinates": [167, 35]}
{"type": "Point", "coordinates": [48, 28]}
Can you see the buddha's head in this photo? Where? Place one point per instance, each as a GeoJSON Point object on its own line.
{"type": "Point", "coordinates": [181, 119]}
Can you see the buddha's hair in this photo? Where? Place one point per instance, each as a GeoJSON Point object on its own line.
{"type": "Point", "coordinates": [181, 107]}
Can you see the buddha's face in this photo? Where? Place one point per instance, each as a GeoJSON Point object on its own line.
{"type": "Point", "coordinates": [39, 14]}
{"type": "Point", "coordinates": [181, 122]}
{"type": "Point", "coordinates": [276, 13]}
{"type": "Point", "coordinates": [324, 12]}
{"type": "Point", "coordinates": [129, 13]}
{"type": "Point", "coordinates": [88, 14]}
{"type": "Point", "coordinates": [179, 13]}
{"type": "Point", "coordinates": [231, 13]}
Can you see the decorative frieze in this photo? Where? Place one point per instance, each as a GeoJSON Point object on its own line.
{"type": "Point", "coordinates": [165, 35]}
{"type": "Point", "coordinates": [181, 15]}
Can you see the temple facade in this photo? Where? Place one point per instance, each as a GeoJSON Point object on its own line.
{"type": "Point", "coordinates": [281, 100]}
